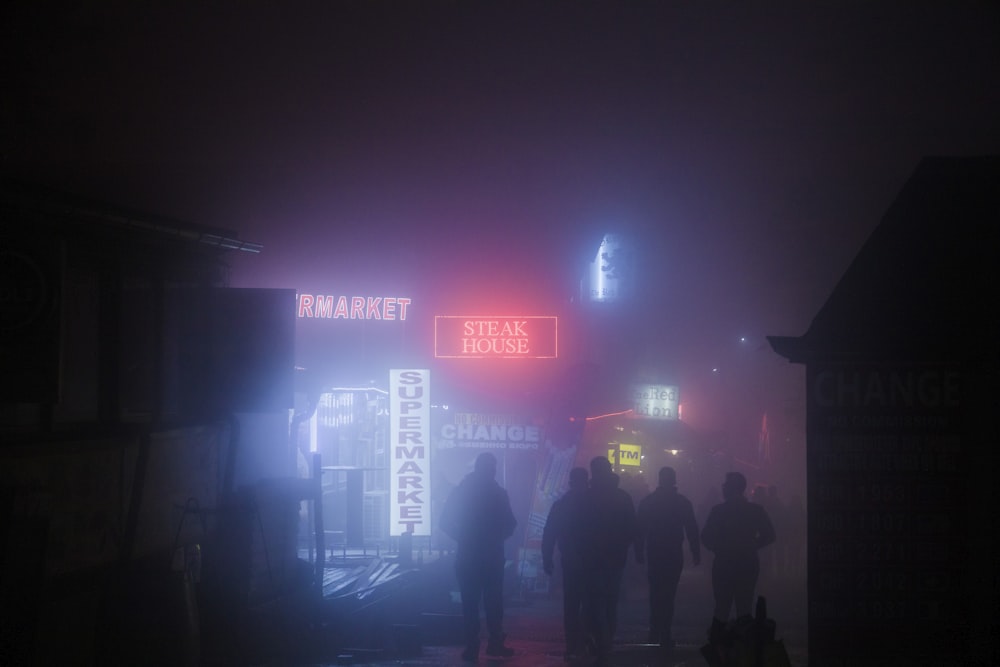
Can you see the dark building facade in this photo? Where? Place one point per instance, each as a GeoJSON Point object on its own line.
{"type": "Point", "coordinates": [901, 369]}
{"type": "Point", "coordinates": [128, 371]}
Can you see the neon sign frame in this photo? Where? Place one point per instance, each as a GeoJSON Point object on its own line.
{"type": "Point", "coordinates": [496, 337]}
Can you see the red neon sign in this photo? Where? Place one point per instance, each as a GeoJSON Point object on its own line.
{"type": "Point", "coordinates": [352, 308]}
{"type": "Point", "coordinates": [496, 337]}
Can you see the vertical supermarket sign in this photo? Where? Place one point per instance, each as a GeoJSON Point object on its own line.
{"type": "Point", "coordinates": [409, 455]}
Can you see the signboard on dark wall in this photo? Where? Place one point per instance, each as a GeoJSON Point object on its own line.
{"type": "Point", "coordinates": [30, 277]}
{"type": "Point", "coordinates": [887, 508]}
{"type": "Point", "coordinates": [238, 350]}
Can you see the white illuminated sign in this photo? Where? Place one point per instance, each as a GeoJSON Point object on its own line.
{"type": "Point", "coordinates": [612, 272]}
{"type": "Point", "coordinates": [409, 452]}
{"type": "Point", "coordinates": [658, 401]}
{"type": "Point", "coordinates": [480, 431]}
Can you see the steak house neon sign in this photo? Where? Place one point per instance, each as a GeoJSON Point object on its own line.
{"type": "Point", "coordinates": [498, 337]}
{"type": "Point", "coordinates": [319, 306]}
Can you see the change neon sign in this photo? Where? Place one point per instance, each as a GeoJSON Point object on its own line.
{"type": "Point", "coordinates": [498, 337]}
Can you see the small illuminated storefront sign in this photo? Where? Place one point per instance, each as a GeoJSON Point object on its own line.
{"type": "Point", "coordinates": [624, 454]}
{"type": "Point", "coordinates": [484, 337]}
{"type": "Point", "coordinates": [657, 401]}
{"type": "Point", "coordinates": [482, 431]}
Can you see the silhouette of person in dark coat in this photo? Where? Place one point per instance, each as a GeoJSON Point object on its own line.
{"type": "Point", "coordinates": [735, 529]}
{"type": "Point", "coordinates": [610, 530]}
{"type": "Point", "coordinates": [477, 515]}
{"type": "Point", "coordinates": [664, 518]}
{"type": "Point", "coordinates": [564, 528]}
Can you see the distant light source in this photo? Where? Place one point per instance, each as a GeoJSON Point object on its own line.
{"type": "Point", "coordinates": [610, 269]}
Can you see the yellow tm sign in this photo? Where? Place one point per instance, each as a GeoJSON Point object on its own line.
{"type": "Point", "coordinates": [627, 455]}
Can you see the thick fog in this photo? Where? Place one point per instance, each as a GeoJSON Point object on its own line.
{"type": "Point", "coordinates": [471, 158]}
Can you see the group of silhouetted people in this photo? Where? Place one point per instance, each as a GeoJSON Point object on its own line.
{"type": "Point", "coordinates": [593, 525]}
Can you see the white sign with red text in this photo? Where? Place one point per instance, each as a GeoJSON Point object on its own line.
{"type": "Point", "coordinates": [409, 452]}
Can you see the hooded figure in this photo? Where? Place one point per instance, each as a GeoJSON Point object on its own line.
{"type": "Point", "coordinates": [477, 515]}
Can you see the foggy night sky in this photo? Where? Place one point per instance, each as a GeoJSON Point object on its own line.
{"type": "Point", "coordinates": [752, 150]}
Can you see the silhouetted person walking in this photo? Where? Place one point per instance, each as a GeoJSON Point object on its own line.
{"type": "Point", "coordinates": [734, 531]}
{"type": "Point", "coordinates": [664, 518]}
{"type": "Point", "coordinates": [477, 515]}
{"type": "Point", "coordinates": [564, 528]}
{"type": "Point", "coordinates": [610, 530]}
